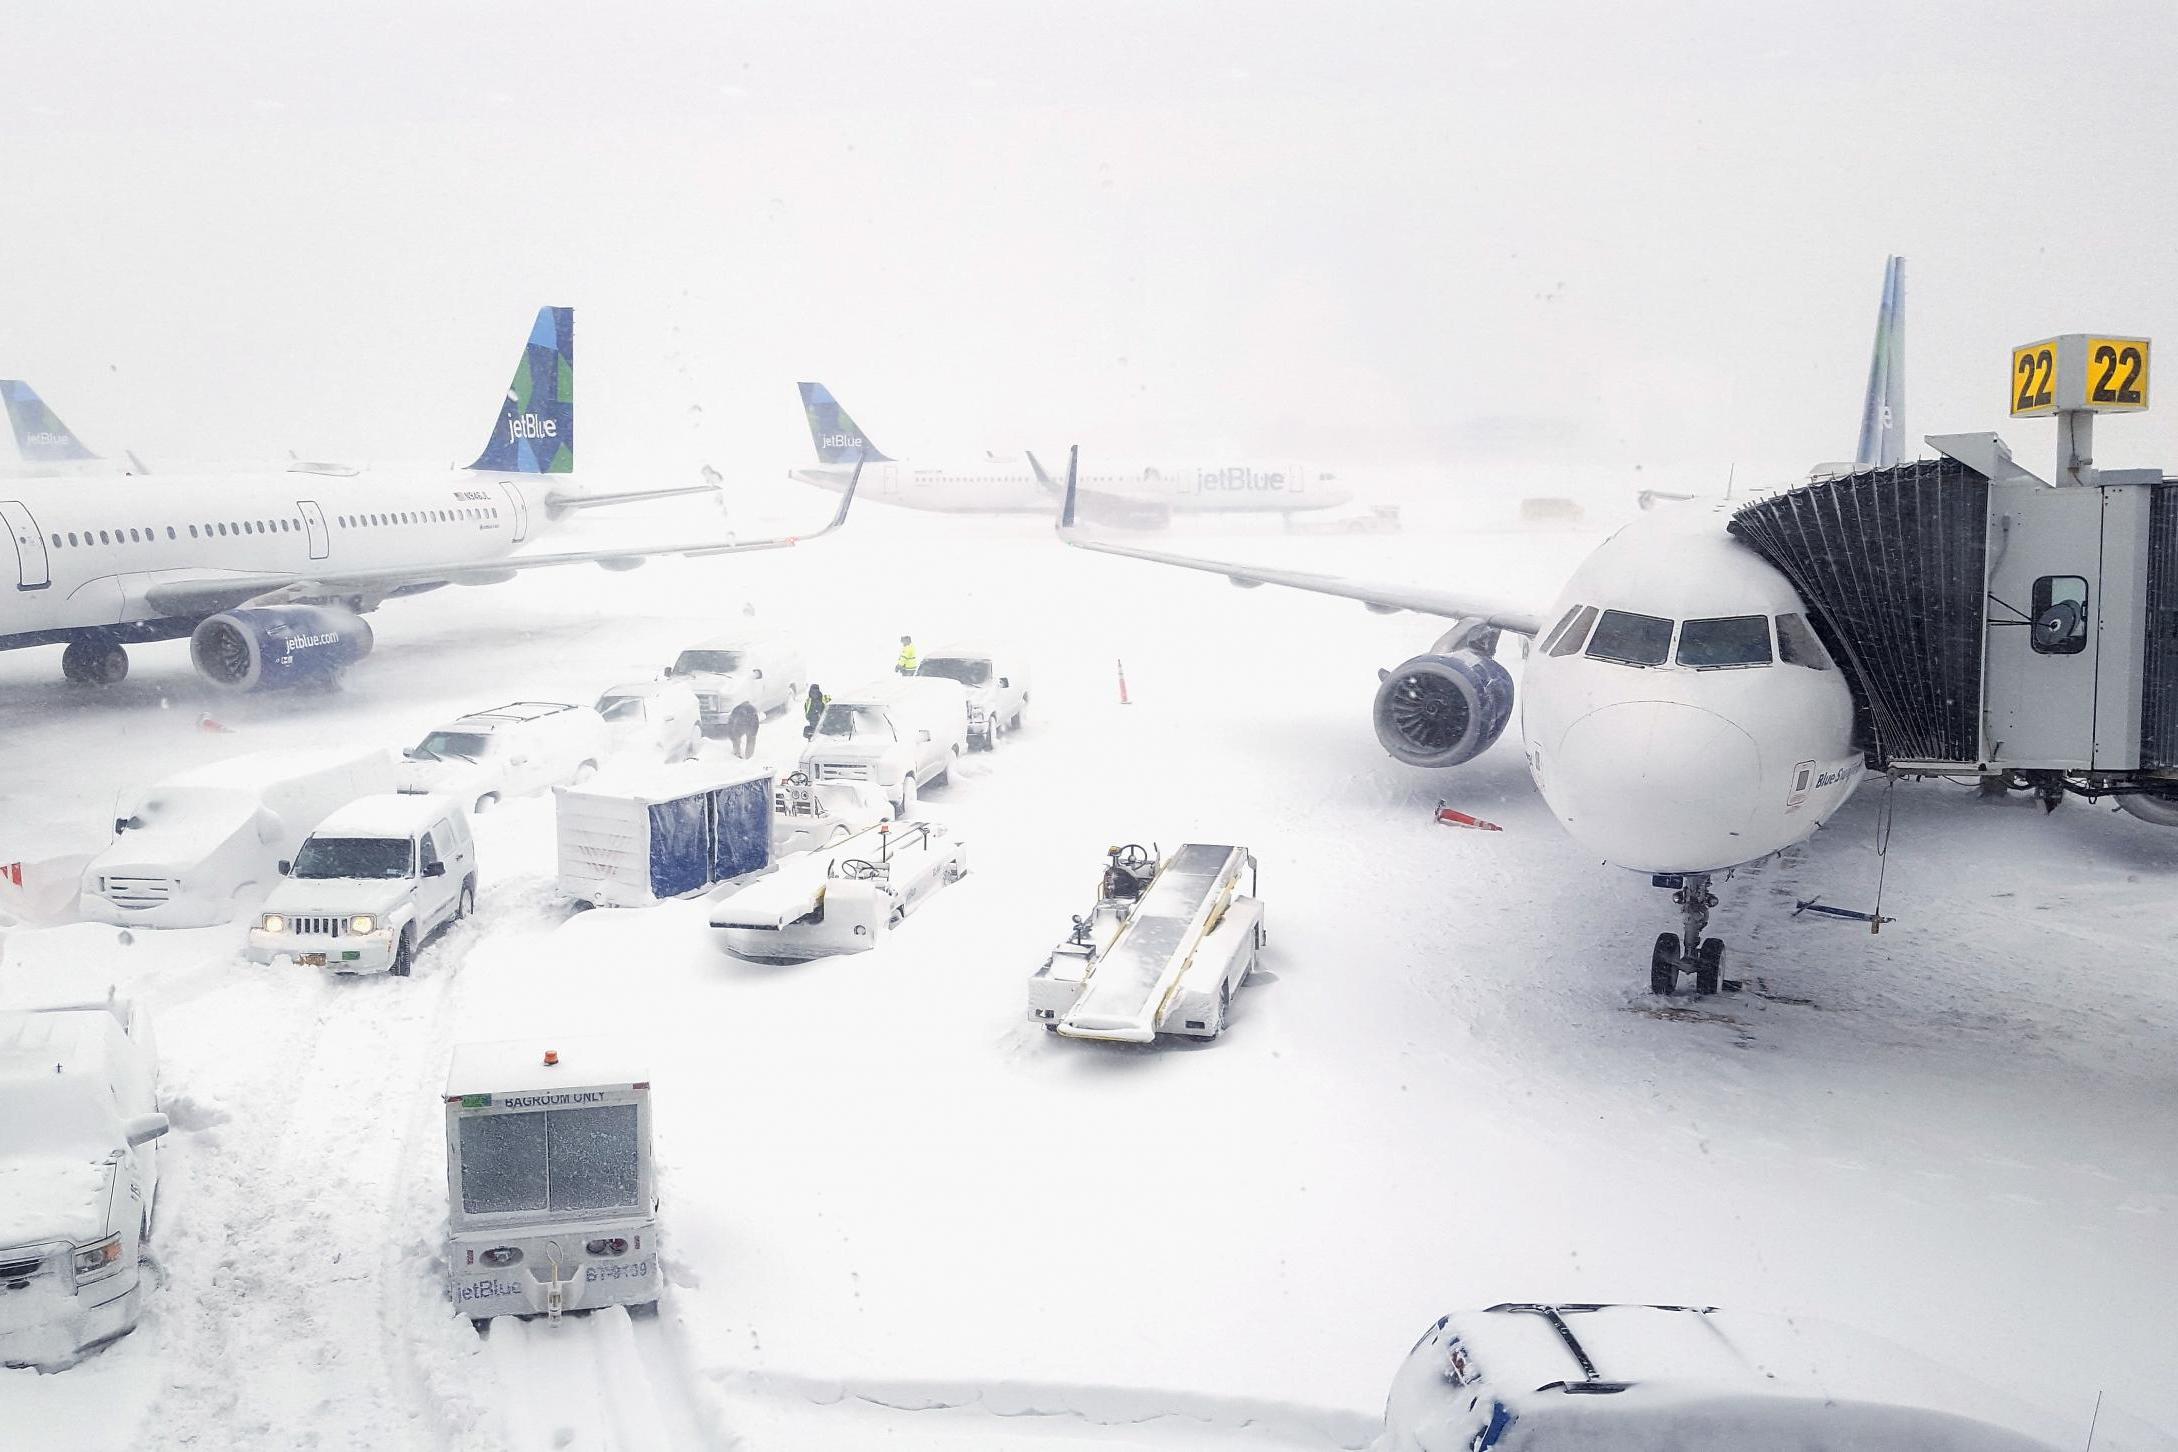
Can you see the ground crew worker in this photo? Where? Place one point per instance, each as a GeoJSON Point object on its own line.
{"type": "Point", "coordinates": [813, 710]}
{"type": "Point", "coordinates": [909, 657]}
{"type": "Point", "coordinates": [741, 730]}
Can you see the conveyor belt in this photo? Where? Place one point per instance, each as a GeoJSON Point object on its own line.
{"type": "Point", "coordinates": [1129, 983]}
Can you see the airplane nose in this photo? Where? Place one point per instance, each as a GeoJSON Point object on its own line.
{"type": "Point", "coordinates": [1658, 786]}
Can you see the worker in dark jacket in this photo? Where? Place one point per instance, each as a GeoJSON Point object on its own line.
{"type": "Point", "coordinates": [741, 730]}
{"type": "Point", "coordinates": [813, 710]}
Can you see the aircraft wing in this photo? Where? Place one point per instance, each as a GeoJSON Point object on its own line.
{"type": "Point", "coordinates": [210, 594]}
{"type": "Point", "coordinates": [559, 503]}
{"type": "Point", "coordinates": [1383, 599]}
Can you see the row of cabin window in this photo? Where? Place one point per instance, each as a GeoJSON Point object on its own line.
{"type": "Point", "coordinates": [1726, 641]}
{"type": "Point", "coordinates": [268, 526]}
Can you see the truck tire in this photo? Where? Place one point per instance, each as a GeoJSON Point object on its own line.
{"type": "Point", "coordinates": [486, 802]}
{"type": "Point", "coordinates": [905, 801]}
{"type": "Point", "coordinates": [466, 903]}
{"type": "Point", "coordinates": [404, 956]}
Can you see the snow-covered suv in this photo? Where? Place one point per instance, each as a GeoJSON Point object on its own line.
{"type": "Point", "coordinates": [79, 1176]}
{"type": "Point", "coordinates": [375, 880]}
{"type": "Point", "coordinates": [509, 751]}
{"type": "Point", "coordinates": [751, 674]}
{"type": "Point", "coordinates": [997, 682]}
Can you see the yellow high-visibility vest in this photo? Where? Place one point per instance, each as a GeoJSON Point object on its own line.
{"type": "Point", "coordinates": [909, 660]}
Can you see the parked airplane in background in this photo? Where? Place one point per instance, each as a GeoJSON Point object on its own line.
{"type": "Point", "coordinates": [1680, 715]}
{"type": "Point", "coordinates": [1144, 496]}
{"type": "Point", "coordinates": [270, 575]}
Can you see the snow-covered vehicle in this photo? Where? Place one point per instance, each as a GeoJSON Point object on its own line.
{"type": "Point", "coordinates": [840, 899]}
{"type": "Point", "coordinates": [637, 835]}
{"type": "Point", "coordinates": [79, 1176]}
{"type": "Point", "coordinates": [509, 751]}
{"type": "Point", "coordinates": [899, 734]}
{"type": "Point", "coordinates": [655, 719]}
{"type": "Point", "coordinates": [806, 815]}
{"type": "Point", "coordinates": [551, 1205]}
{"type": "Point", "coordinates": [997, 682]}
{"type": "Point", "coordinates": [753, 675]}
{"type": "Point", "coordinates": [1682, 1378]}
{"type": "Point", "coordinates": [201, 845]}
{"type": "Point", "coordinates": [370, 886]}
{"type": "Point", "coordinates": [1162, 952]}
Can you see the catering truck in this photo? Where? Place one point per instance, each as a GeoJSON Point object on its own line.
{"type": "Point", "coordinates": [550, 1199]}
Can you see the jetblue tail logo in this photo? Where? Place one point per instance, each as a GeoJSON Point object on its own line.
{"type": "Point", "coordinates": [536, 429]}
{"type": "Point", "coordinates": [837, 439]}
{"type": "Point", "coordinates": [1883, 409]}
{"type": "Point", "coordinates": [40, 436]}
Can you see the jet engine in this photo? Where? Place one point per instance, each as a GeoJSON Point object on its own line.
{"type": "Point", "coordinates": [1441, 710]}
{"type": "Point", "coordinates": [273, 647]}
{"type": "Point", "coordinates": [2152, 807]}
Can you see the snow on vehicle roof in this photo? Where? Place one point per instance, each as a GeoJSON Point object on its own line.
{"type": "Point", "coordinates": [41, 1045]}
{"type": "Point", "coordinates": [747, 640]}
{"type": "Point", "coordinates": [661, 782]}
{"type": "Point", "coordinates": [393, 814]}
{"type": "Point", "coordinates": [513, 711]}
{"type": "Point", "coordinates": [643, 688]}
{"type": "Point", "coordinates": [892, 689]}
{"type": "Point", "coordinates": [252, 770]}
{"type": "Point", "coordinates": [517, 1066]}
{"type": "Point", "coordinates": [971, 650]}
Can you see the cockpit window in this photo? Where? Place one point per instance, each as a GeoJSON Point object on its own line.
{"type": "Point", "coordinates": [1797, 644]}
{"type": "Point", "coordinates": [1571, 632]}
{"type": "Point", "coordinates": [1733, 640]}
{"type": "Point", "coordinates": [1630, 639]}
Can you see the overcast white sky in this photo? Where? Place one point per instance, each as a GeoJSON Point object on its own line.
{"type": "Point", "coordinates": [1601, 235]}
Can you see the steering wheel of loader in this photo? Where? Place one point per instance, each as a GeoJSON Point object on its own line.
{"type": "Point", "coordinates": [1134, 857]}
{"type": "Point", "coordinates": [796, 779]}
{"type": "Point", "coordinates": [858, 869]}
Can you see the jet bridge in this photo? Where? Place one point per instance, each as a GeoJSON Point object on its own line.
{"type": "Point", "coordinates": [1993, 623]}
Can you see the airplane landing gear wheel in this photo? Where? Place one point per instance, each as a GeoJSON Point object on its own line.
{"type": "Point", "coordinates": [1664, 965]}
{"type": "Point", "coordinates": [1709, 966]}
{"type": "Point", "coordinates": [94, 662]}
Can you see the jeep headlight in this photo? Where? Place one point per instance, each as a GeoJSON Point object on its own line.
{"type": "Point", "coordinates": [274, 923]}
{"type": "Point", "coordinates": [362, 923]}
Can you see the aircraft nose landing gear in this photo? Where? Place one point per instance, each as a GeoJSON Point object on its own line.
{"type": "Point", "coordinates": [1695, 954]}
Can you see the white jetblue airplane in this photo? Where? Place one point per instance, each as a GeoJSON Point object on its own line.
{"type": "Point", "coordinates": [1139, 496]}
{"type": "Point", "coordinates": [270, 575]}
{"type": "Point", "coordinates": [1680, 714]}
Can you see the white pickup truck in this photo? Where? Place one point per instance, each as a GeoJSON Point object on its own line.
{"type": "Point", "coordinates": [997, 682]}
{"type": "Point", "coordinates": [899, 735]}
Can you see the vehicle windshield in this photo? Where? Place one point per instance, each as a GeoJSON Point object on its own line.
{"type": "Point", "coordinates": [372, 857]}
{"type": "Point", "coordinates": [848, 721]}
{"type": "Point", "coordinates": [620, 708]}
{"type": "Point", "coordinates": [58, 1114]}
{"type": "Point", "coordinates": [553, 1159]}
{"type": "Point", "coordinates": [708, 662]}
{"type": "Point", "coordinates": [1630, 639]}
{"type": "Point", "coordinates": [452, 746]}
{"type": "Point", "coordinates": [967, 670]}
{"type": "Point", "coordinates": [167, 805]}
{"type": "Point", "coordinates": [1733, 640]}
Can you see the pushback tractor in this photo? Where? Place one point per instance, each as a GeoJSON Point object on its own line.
{"type": "Point", "coordinates": [1163, 950]}
{"type": "Point", "coordinates": [551, 1205]}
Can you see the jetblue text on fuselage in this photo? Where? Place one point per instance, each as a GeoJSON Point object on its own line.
{"type": "Point", "coordinates": [1237, 476]}
{"type": "Point", "coordinates": [844, 441]}
{"type": "Point", "coordinates": [529, 426]}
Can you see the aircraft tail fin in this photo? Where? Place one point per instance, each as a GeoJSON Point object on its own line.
{"type": "Point", "coordinates": [837, 438]}
{"type": "Point", "coordinates": [40, 436]}
{"type": "Point", "coordinates": [1883, 411]}
{"type": "Point", "coordinates": [535, 431]}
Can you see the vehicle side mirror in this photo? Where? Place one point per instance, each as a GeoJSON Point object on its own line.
{"type": "Point", "coordinates": [434, 869]}
{"type": "Point", "coordinates": [286, 867]}
{"type": "Point", "coordinates": [1004, 683]}
{"type": "Point", "coordinates": [146, 1127]}
{"type": "Point", "coordinates": [922, 736]}
{"type": "Point", "coordinates": [756, 675]}
{"type": "Point", "coordinates": [121, 824]}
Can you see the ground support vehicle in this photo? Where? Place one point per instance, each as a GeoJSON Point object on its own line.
{"type": "Point", "coordinates": [79, 1176]}
{"type": "Point", "coordinates": [370, 886]}
{"type": "Point", "coordinates": [637, 836]}
{"type": "Point", "coordinates": [807, 815]}
{"type": "Point", "coordinates": [899, 735]}
{"type": "Point", "coordinates": [840, 899]}
{"type": "Point", "coordinates": [752, 675]}
{"type": "Point", "coordinates": [1162, 951]}
{"type": "Point", "coordinates": [192, 849]}
{"type": "Point", "coordinates": [509, 751]}
{"type": "Point", "coordinates": [655, 719]}
{"type": "Point", "coordinates": [1688, 1378]}
{"type": "Point", "coordinates": [551, 1201]}
{"type": "Point", "coordinates": [997, 683]}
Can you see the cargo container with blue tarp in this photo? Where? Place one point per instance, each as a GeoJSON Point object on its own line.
{"type": "Point", "coordinates": [645, 834]}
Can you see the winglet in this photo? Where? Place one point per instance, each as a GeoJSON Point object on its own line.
{"type": "Point", "coordinates": [1073, 484]}
{"type": "Point", "coordinates": [839, 516]}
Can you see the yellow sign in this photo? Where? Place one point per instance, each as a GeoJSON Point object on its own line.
{"type": "Point", "coordinates": [2034, 379]}
{"type": "Point", "coordinates": [2117, 374]}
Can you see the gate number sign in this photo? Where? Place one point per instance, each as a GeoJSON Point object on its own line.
{"type": "Point", "coordinates": [2079, 372]}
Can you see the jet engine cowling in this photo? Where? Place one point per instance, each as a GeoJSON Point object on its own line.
{"type": "Point", "coordinates": [1441, 710]}
{"type": "Point", "coordinates": [274, 647]}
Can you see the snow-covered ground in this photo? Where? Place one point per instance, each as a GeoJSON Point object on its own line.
{"type": "Point", "coordinates": [898, 1212]}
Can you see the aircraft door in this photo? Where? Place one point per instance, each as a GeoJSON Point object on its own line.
{"type": "Point", "coordinates": [313, 519]}
{"type": "Point", "coordinates": [517, 510]}
{"type": "Point", "coordinates": [32, 570]}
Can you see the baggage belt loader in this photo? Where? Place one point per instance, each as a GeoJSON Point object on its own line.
{"type": "Point", "coordinates": [1163, 950]}
{"type": "Point", "coordinates": [843, 898]}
